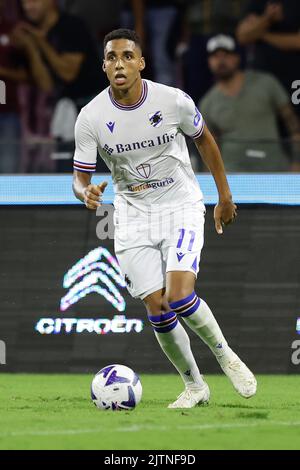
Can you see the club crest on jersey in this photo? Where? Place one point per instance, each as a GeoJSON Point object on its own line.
{"type": "Point", "coordinates": [155, 119]}
{"type": "Point", "coordinates": [144, 170]}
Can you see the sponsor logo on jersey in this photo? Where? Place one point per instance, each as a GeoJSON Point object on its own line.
{"type": "Point", "coordinates": [152, 184]}
{"type": "Point", "coordinates": [159, 140]}
{"type": "Point", "coordinates": [144, 170]}
{"type": "Point", "coordinates": [108, 149]}
{"type": "Point", "coordinates": [155, 119]}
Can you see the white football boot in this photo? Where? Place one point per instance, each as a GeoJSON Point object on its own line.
{"type": "Point", "coordinates": [192, 396]}
{"type": "Point", "coordinates": [238, 373]}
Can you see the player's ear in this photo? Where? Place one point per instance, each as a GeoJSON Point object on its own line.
{"type": "Point", "coordinates": [142, 64]}
{"type": "Point", "coordinates": [103, 66]}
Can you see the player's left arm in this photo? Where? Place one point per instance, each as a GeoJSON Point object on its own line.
{"type": "Point", "coordinates": [225, 211]}
{"type": "Point", "coordinates": [191, 123]}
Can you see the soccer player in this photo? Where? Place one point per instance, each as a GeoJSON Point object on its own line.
{"type": "Point", "coordinates": [137, 126]}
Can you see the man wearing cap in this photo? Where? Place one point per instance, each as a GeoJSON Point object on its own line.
{"type": "Point", "coordinates": [242, 109]}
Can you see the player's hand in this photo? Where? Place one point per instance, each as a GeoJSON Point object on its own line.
{"type": "Point", "coordinates": [93, 195]}
{"type": "Point", "coordinates": [225, 212]}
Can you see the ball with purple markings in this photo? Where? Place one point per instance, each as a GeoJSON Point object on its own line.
{"type": "Point", "coordinates": [116, 387]}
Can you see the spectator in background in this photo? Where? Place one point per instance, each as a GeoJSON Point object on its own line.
{"type": "Point", "coordinates": [59, 62]}
{"type": "Point", "coordinates": [10, 74]}
{"type": "Point", "coordinates": [204, 19]}
{"type": "Point", "coordinates": [273, 27]}
{"type": "Point", "coordinates": [66, 48]}
{"type": "Point", "coordinates": [156, 22]}
{"type": "Point", "coordinates": [101, 16]}
{"type": "Point", "coordinates": [242, 111]}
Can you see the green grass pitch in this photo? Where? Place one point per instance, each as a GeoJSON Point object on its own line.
{"type": "Point", "coordinates": [55, 412]}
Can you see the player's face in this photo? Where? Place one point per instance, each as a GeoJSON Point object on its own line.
{"type": "Point", "coordinates": [123, 63]}
{"type": "Point", "coordinates": [36, 10]}
{"type": "Point", "coordinates": [224, 64]}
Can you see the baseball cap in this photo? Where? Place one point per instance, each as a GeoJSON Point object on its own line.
{"type": "Point", "coordinates": [227, 43]}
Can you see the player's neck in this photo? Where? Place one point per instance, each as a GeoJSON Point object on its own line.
{"type": "Point", "coordinates": [129, 96]}
{"type": "Point", "coordinates": [233, 86]}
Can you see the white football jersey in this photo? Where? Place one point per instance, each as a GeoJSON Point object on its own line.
{"type": "Point", "coordinates": [143, 145]}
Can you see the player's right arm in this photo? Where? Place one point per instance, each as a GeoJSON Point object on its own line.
{"type": "Point", "coordinates": [89, 194]}
{"type": "Point", "coordinates": [85, 164]}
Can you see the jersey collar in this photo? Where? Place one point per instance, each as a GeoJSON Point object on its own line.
{"type": "Point", "coordinates": [131, 107]}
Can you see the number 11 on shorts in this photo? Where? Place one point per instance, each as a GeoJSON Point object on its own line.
{"type": "Point", "coordinates": [181, 237]}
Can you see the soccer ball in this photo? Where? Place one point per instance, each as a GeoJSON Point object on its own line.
{"type": "Point", "coordinates": [116, 387]}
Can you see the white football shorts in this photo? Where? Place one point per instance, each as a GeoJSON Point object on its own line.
{"type": "Point", "coordinates": [149, 246]}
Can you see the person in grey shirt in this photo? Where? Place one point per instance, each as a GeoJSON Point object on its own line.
{"type": "Point", "coordinates": [243, 108]}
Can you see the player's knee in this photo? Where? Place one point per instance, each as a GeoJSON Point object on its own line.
{"type": "Point", "coordinates": [156, 305]}
{"type": "Point", "coordinates": [186, 305]}
{"type": "Point", "coordinates": [155, 309]}
{"type": "Point", "coordinates": [161, 318]}
{"type": "Point", "coordinates": [177, 295]}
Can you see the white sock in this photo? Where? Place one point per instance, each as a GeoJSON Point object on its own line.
{"type": "Point", "coordinates": [175, 343]}
{"type": "Point", "coordinates": [197, 315]}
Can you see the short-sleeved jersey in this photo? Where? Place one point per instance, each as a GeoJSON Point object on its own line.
{"type": "Point", "coordinates": [143, 145]}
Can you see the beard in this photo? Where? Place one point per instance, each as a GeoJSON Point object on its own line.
{"type": "Point", "coordinates": [224, 74]}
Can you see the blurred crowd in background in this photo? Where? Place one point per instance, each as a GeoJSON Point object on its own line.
{"type": "Point", "coordinates": [238, 59]}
